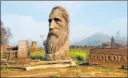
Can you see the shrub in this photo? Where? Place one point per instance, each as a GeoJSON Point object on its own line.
{"type": "Point", "coordinates": [79, 55]}
{"type": "Point", "coordinates": [37, 55]}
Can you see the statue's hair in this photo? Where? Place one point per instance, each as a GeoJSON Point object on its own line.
{"type": "Point", "coordinates": [64, 11]}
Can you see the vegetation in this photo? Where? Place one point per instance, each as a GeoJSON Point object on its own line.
{"type": "Point", "coordinates": [81, 71]}
{"type": "Point", "coordinates": [8, 69]}
{"type": "Point", "coordinates": [38, 54]}
{"type": "Point", "coordinates": [55, 76]}
{"type": "Point", "coordinates": [115, 42]}
{"type": "Point", "coordinates": [5, 34]}
{"type": "Point", "coordinates": [106, 69]}
{"type": "Point", "coordinates": [79, 55]}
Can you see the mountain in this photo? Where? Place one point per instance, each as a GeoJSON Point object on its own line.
{"type": "Point", "coordinates": [94, 39]}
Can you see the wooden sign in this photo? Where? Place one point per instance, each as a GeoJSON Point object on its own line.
{"type": "Point", "coordinates": [109, 57]}
{"type": "Point", "coordinates": [22, 49]}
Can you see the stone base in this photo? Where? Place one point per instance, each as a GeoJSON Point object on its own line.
{"type": "Point", "coordinates": [23, 61]}
{"type": "Point", "coordinates": [47, 66]}
{"type": "Point", "coordinates": [51, 64]}
{"type": "Point", "coordinates": [44, 64]}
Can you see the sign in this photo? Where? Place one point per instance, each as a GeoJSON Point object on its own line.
{"type": "Point", "coordinates": [111, 57]}
{"type": "Point", "coordinates": [22, 49]}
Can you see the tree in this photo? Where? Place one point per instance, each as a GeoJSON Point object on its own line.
{"type": "Point", "coordinates": [112, 42]}
{"type": "Point", "coordinates": [5, 34]}
{"type": "Point", "coordinates": [104, 45]}
{"type": "Point", "coordinates": [119, 40]}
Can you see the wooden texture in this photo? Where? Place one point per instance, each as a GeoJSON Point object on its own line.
{"type": "Point", "coordinates": [109, 57]}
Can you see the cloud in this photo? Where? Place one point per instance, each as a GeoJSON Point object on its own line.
{"type": "Point", "coordinates": [122, 21]}
{"type": "Point", "coordinates": [30, 27]}
{"type": "Point", "coordinates": [26, 27]}
{"type": "Point", "coordinates": [79, 32]}
{"type": "Point", "coordinates": [121, 25]}
{"type": "Point", "coordinates": [117, 24]}
{"type": "Point", "coordinates": [71, 6]}
{"type": "Point", "coordinates": [46, 6]}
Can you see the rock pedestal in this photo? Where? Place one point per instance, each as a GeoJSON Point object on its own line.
{"type": "Point", "coordinates": [23, 54]}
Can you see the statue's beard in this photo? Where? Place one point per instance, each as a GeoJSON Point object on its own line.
{"type": "Point", "coordinates": [55, 40]}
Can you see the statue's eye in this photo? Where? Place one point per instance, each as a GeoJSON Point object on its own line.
{"type": "Point", "coordinates": [57, 19]}
{"type": "Point", "coordinates": [50, 20]}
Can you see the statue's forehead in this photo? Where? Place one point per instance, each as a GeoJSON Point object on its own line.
{"type": "Point", "coordinates": [56, 14]}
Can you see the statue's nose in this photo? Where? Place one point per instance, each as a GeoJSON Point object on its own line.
{"type": "Point", "coordinates": [52, 26]}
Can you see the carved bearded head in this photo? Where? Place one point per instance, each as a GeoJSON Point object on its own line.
{"type": "Point", "coordinates": [58, 30]}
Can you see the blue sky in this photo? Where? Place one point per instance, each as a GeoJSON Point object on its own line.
{"type": "Point", "coordinates": [29, 19]}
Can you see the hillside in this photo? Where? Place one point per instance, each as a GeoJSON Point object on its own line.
{"type": "Point", "coordinates": [94, 39]}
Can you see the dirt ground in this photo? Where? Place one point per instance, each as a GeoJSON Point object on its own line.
{"type": "Point", "coordinates": [78, 71]}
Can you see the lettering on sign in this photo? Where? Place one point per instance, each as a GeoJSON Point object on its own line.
{"type": "Point", "coordinates": [117, 58]}
{"type": "Point", "coordinates": [109, 57]}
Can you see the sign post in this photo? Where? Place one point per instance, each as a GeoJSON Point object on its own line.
{"type": "Point", "coordinates": [109, 57]}
{"type": "Point", "coordinates": [22, 54]}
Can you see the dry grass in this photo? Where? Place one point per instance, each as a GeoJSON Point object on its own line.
{"type": "Point", "coordinates": [79, 71]}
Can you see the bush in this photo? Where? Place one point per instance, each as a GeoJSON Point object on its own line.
{"type": "Point", "coordinates": [37, 55]}
{"type": "Point", "coordinates": [79, 55]}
